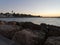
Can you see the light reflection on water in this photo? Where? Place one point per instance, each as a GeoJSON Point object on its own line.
{"type": "Point", "coordinates": [51, 21]}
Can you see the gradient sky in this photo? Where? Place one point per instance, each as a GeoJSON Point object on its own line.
{"type": "Point", "coordinates": [35, 7]}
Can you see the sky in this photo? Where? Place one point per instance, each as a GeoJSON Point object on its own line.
{"type": "Point", "coordinates": [34, 7]}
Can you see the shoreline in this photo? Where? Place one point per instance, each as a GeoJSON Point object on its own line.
{"type": "Point", "coordinates": [29, 17]}
{"type": "Point", "coordinates": [28, 33]}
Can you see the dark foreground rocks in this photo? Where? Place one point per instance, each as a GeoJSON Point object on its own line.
{"type": "Point", "coordinates": [8, 30]}
{"type": "Point", "coordinates": [28, 37]}
{"type": "Point", "coordinates": [52, 41]}
{"type": "Point", "coordinates": [5, 41]}
{"type": "Point", "coordinates": [28, 33]}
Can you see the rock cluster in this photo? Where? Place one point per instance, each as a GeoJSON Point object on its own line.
{"type": "Point", "coordinates": [28, 33]}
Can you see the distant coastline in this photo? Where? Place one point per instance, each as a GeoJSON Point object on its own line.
{"type": "Point", "coordinates": [17, 15]}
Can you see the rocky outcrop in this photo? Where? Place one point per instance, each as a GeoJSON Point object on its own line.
{"type": "Point", "coordinates": [2, 22]}
{"type": "Point", "coordinates": [29, 25]}
{"type": "Point", "coordinates": [28, 33]}
{"type": "Point", "coordinates": [53, 41]}
{"type": "Point", "coordinates": [8, 30]}
{"type": "Point", "coordinates": [5, 41]}
{"type": "Point", "coordinates": [12, 23]}
{"type": "Point", "coordinates": [50, 29]}
{"type": "Point", "coordinates": [28, 37]}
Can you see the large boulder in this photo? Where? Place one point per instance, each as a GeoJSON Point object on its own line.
{"type": "Point", "coordinates": [53, 41]}
{"type": "Point", "coordinates": [8, 30]}
{"type": "Point", "coordinates": [28, 37]}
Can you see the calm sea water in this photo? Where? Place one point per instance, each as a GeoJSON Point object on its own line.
{"type": "Point", "coordinates": [51, 21]}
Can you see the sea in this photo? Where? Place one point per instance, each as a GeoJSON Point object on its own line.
{"type": "Point", "coordinates": [50, 21]}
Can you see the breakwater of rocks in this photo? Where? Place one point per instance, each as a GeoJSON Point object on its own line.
{"type": "Point", "coordinates": [28, 33]}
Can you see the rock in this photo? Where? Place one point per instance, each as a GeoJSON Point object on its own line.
{"type": "Point", "coordinates": [28, 37]}
{"type": "Point", "coordinates": [5, 41]}
{"type": "Point", "coordinates": [53, 41]}
{"type": "Point", "coordinates": [8, 30]}
{"type": "Point", "coordinates": [50, 29]}
{"type": "Point", "coordinates": [29, 25]}
{"type": "Point", "coordinates": [28, 33]}
{"type": "Point", "coordinates": [44, 27]}
{"type": "Point", "coordinates": [2, 22]}
{"type": "Point", "coordinates": [12, 23]}
{"type": "Point", "coordinates": [54, 32]}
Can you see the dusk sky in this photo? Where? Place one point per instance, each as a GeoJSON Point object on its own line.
{"type": "Point", "coordinates": [35, 7]}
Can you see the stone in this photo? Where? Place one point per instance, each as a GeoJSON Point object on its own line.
{"type": "Point", "coordinates": [53, 41]}
{"type": "Point", "coordinates": [28, 37]}
{"type": "Point", "coordinates": [12, 23]}
{"type": "Point", "coordinates": [8, 30]}
{"type": "Point", "coordinates": [2, 22]}
{"type": "Point", "coordinates": [50, 29]}
{"type": "Point", "coordinates": [5, 41]}
{"type": "Point", "coordinates": [29, 25]}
